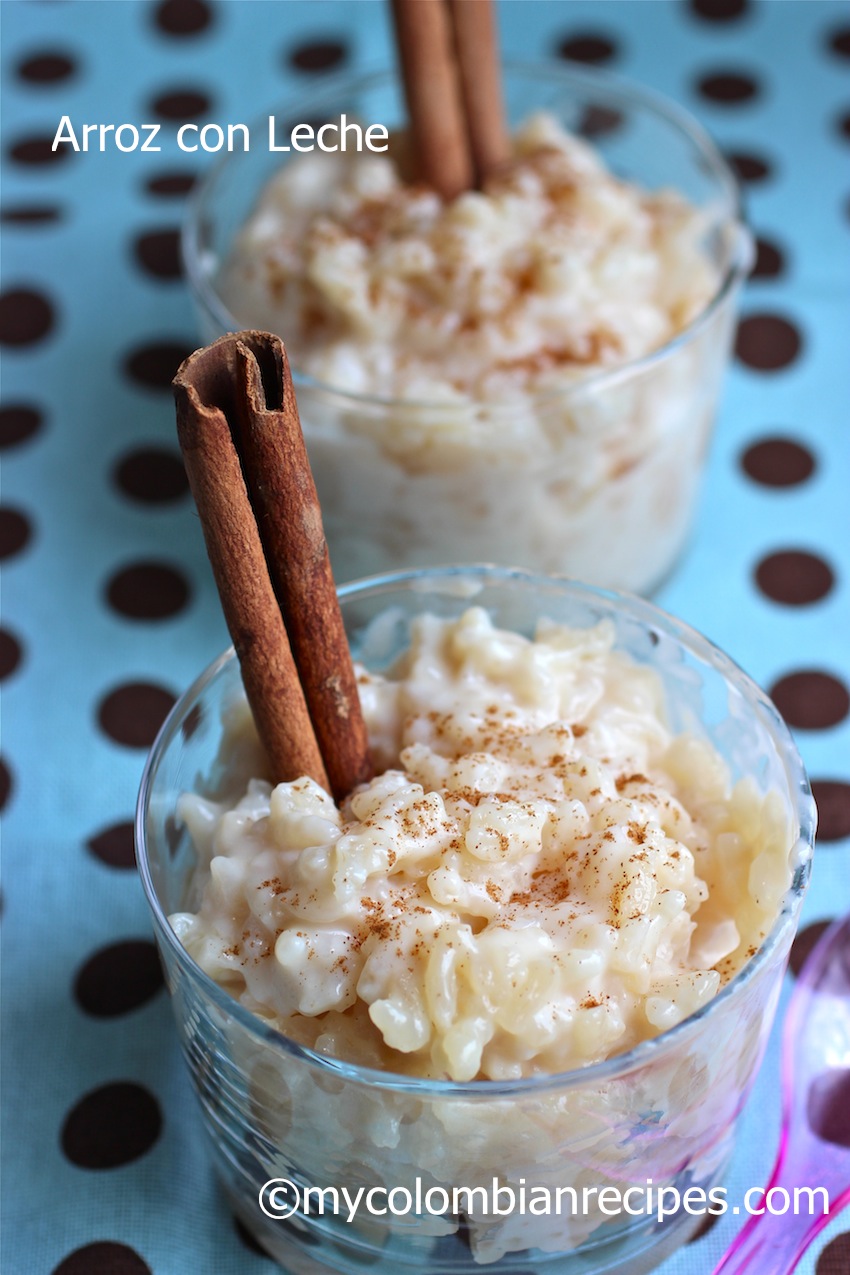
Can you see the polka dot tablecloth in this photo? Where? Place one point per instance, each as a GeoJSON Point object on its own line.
{"type": "Point", "coordinates": [108, 606]}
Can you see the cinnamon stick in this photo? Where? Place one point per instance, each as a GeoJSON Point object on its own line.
{"type": "Point", "coordinates": [477, 50]}
{"type": "Point", "coordinates": [432, 89]}
{"type": "Point", "coordinates": [231, 398]}
{"type": "Point", "coordinates": [286, 506]}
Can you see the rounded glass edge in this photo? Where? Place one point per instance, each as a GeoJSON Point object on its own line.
{"type": "Point", "coordinates": [646, 1051]}
{"type": "Point", "coordinates": [741, 251]}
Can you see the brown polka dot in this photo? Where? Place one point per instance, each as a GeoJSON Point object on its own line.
{"type": "Point", "coordinates": [748, 167]}
{"type": "Point", "coordinates": [835, 1258]}
{"type": "Point", "coordinates": [30, 215]}
{"type": "Point", "coordinates": [708, 1221]}
{"type": "Point", "coordinates": [811, 700]}
{"type": "Point", "coordinates": [832, 797]}
{"type": "Point", "coordinates": [588, 46]}
{"type": "Point", "coordinates": [148, 591]}
{"type": "Point", "coordinates": [170, 185]}
{"type": "Point", "coordinates": [11, 653]}
{"type": "Point", "coordinates": [839, 42]}
{"type": "Point", "coordinates": [598, 121]}
{"type": "Point", "coordinates": [132, 714]}
{"type": "Point", "coordinates": [191, 721]}
{"type": "Point", "coordinates": [152, 475]}
{"type": "Point", "coordinates": [19, 422]}
{"type": "Point", "coordinates": [104, 1257]}
{"type": "Point", "coordinates": [767, 342]}
{"type": "Point", "coordinates": [828, 1106]}
{"type": "Point", "coordinates": [25, 317]}
{"type": "Point", "coordinates": [119, 978]}
{"type": "Point", "coordinates": [453, 1251]}
{"type": "Point", "coordinates": [778, 462]}
{"type": "Point", "coordinates": [5, 784]}
{"type": "Point", "coordinates": [727, 88]}
{"type": "Point", "coordinates": [769, 262]}
{"type": "Point", "coordinates": [183, 17]}
{"type": "Point", "coordinates": [38, 150]}
{"type": "Point", "coordinates": [318, 55]}
{"type": "Point", "coordinates": [110, 1126]}
{"type": "Point", "coordinates": [46, 68]}
{"type": "Point", "coordinates": [719, 10]}
{"type": "Point", "coordinates": [794, 577]}
{"type": "Point", "coordinates": [174, 834]}
{"type": "Point", "coordinates": [114, 845]}
{"type": "Point", "coordinates": [181, 104]}
{"type": "Point", "coordinates": [15, 532]}
{"type": "Point", "coordinates": [155, 365]}
{"type": "Point", "coordinates": [158, 253]}
{"type": "Point", "coordinates": [247, 1238]}
{"type": "Point", "coordinates": [804, 944]}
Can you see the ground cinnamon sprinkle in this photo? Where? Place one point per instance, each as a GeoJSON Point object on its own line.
{"type": "Point", "coordinates": [490, 875]}
{"type": "Point", "coordinates": [623, 781]}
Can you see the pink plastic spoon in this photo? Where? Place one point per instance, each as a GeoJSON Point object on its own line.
{"type": "Point", "coordinates": [814, 1147]}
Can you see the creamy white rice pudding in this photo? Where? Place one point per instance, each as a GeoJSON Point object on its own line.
{"type": "Point", "coordinates": [554, 271]}
{"type": "Point", "coordinates": [479, 386]}
{"type": "Point", "coordinates": [541, 875]}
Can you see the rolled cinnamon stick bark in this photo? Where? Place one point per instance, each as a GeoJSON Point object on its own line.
{"type": "Point", "coordinates": [286, 506]}
{"type": "Point", "coordinates": [477, 50]}
{"type": "Point", "coordinates": [205, 396]}
{"type": "Point", "coordinates": [432, 89]}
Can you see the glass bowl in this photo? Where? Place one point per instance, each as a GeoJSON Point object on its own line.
{"type": "Point", "coordinates": [287, 1127]}
{"type": "Point", "coordinates": [598, 481]}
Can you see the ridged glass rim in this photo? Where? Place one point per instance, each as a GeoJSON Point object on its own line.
{"type": "Point", "coordinates": [621, 90]}
{"type": "Point", "coordinates": [646, 1051]}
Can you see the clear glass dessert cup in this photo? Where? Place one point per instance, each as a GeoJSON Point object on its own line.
{"type": "Point", "coordinates": [598, 481]}
{"type": "Point", "coordinates": [288, 1128]}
